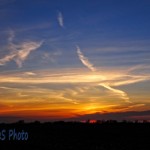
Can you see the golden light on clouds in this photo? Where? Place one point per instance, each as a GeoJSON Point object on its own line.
{"type": "Point", "coordinates": [66, 93]}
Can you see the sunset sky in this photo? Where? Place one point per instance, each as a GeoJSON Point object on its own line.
{"type": "Point", "coordinates": [67, 58]}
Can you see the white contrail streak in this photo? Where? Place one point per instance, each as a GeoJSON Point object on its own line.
{"type": "Point", "coordinates": [89, 65]}
{"type": "Point", "coordinates": [85, 60]}
{"type": "Point", "coordinates": [60, 19]}
{"type": "Point", "coordinates": [120, 93]}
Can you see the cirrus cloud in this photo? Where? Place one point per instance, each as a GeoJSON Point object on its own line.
{"type": "Point", "coordinates": [85, 60]}
{"type": "Point", "coordinates": [19, 52]}
{"type": "Point", "coordinates": [60, 19]}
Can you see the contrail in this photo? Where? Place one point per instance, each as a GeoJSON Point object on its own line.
{"type": "Point", "coordinates": [60, 19]}
{"type": "Point", "coordinates": [85, 60]}
{"type": "Point", "coordinates": [120, 93]}
{"type": "Point", "coordinates": [89, 65]}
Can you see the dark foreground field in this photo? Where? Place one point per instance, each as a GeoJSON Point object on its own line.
{"type": "Point", "coordinates": [74, 136]}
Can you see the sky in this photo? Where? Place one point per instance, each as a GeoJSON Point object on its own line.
{"type": "Point", "coordinates": [74, 59]}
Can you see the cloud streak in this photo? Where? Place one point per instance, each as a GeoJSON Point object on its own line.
{"type": "Point", "coordinates": [89, 65]}
{"type": "Point", "coordinates": [85, 60]}
{"type": "Point", "coordinates": [120, 93]}
{"type": "Point", "coordinates": [7, 58]}
{"type": "Point", "coordinates": [60, 19]}
{"type": "Point", "coordinates": [19, 52]}
{"type": "Point", "coordinates": [26, 49]}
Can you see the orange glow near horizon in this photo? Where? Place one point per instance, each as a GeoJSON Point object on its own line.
{"type": "Point", "coordinates": [68, 94]}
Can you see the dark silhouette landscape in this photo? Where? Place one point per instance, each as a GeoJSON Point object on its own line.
{"type": "Point", "coordinates": [101, 135]}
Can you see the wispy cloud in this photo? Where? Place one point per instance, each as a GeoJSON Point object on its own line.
{"type": "Point", "coordinates": [60, 19]}
{"type": "Point", "coordinates": [7, 88]}
{"type": "Point", "coordinates": [52, 57]}
{"type": "Point", "coordinates": [85, 60]}
{"type": "Point", "coordinates": [120, 93]}
{"type": "Point", "coordinates": [7, 58]}
{"type": "Point", "coordinates": [30, 73]}
{"type": "Point", "coordinates": [76, 76]}
{"type": "Point", "coordinates": [19, 52]}
{"type": "Point", "coordinates": [19, 56]}
{"type": "Point", "coordinates": [68, 88]}
{"type": "Point", "coordinates": [88, 64]}
{"type": "Point", "coordinates": [25, 50]}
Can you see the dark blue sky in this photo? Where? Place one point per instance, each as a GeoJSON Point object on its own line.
{"type": "Point", "coordinates": [91, 24]}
